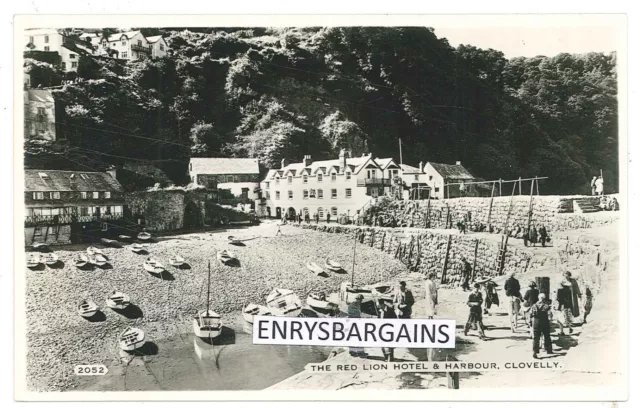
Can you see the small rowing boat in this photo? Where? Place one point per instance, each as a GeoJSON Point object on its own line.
{"type": "Point", "coordinates": [233, 240]}
{"type": "Point", "coordinates": [87, 308]}
{"type": "Point", "coordinates": [138, 248]}
{"type": "Point", "coordinates": [382, 289]}
{"type": "Point", "coordinates": [283, 302]}
{"type": "Point", "coordinates": [39, 246]}
{"type": "Point", "coordinates": [207, 324]}
{"type": "Point", "coordinates": [225, 256]}
{"type": "Point", "coordinates": [118, 300]}
{"type": "Point", "coordinates": [51, 259]}
{"type": "Point", "coordinates": [33, 260]}
{"type": "Point", "coordinates": [153, 266]}
{"type": "Point", "coordinates": [319, 302]}
{"type": "Point", "coordinates": [131, 339]}
{"type": "Point", "coordinates": [252, 310]}
{"type": "Point", "coordinates": [99, 260]}
{"type": "Point", "coordinates": [125, 238]}
{"type": "Point", "coordinates": [333, 265]}
{"type": "Point", "coordinates": [93, 251]}
{"type": "Point", "coordinates": [315, 268]}
{"type": "Point", "coordinates": [176, 261]}
{"type": "Point", "coordinates": [144, 236]}
{"type": "Point", "coordinates": [81, 260]}
{"type": "Point", "coordinates": [110, 242]}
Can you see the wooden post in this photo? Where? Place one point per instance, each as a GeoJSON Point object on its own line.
{"type": "Point", "coordinates": [475, 257]}
{"type": "Point", "coordinates": [373, 237]}
{"type": "Point", "coordinates": [500, 185]}
{"type": "Point", "coordinates": [490, 206]}
{"type": "Point", "coordinates": [427, 223]}
{"type": "Point", "coordinates": [453, 377]}
{"type": "Point", "coordinates": [446, 221]}
{"type": "Point", "coordinates": [537, 186]}
{"type": "Point", "coordinates": [530, 214]}
{"type": "Point", "coordinates": [520, 185]}
{"type": "Point", "coordinates": [446, 259]}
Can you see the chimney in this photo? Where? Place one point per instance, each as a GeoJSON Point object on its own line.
{"type": "Point", "coordinates": [306, 161]}
{"type": "Point", "coordinates": [420, 167]}
{"type": "Point", "coordinates": [342, 159]}
{"type": "Point", "coordinates": [283, 163]}
{"type": "Point", "coordinates": [112, 171]}
{"type": "Point", "coordinates": [72, 182]}
{"type": "Point", "coordinates": [458, 163]}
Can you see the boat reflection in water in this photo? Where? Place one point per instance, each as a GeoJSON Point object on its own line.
{"type": "Point", "coordinates": [204, 349]}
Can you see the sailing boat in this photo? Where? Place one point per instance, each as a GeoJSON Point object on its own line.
{"type": "Point", "coordinates": [206, 324]}
{"type": "Point", "coordinates": [350, 287]}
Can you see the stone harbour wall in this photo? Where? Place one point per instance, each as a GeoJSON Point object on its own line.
{"type": "Point", "coordinates": [53, 236]}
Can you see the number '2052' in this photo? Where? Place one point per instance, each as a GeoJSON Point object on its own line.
{"type": "Point", "coordinates": [95, 369]}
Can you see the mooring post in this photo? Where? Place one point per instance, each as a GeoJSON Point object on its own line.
{"type": "Point", "coordinates": [446, 259]}
{"type": "Point", "coordinates": [453, 377]}
{"type": "Point", "coordinates": [475, 257]}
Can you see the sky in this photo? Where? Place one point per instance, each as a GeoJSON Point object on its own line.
{"type": "Point", "coordinates": [524, 41]}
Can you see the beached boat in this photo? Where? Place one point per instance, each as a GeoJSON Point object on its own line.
{"type": "Point", "coordinates": [93, 251]}
{"type": "Point", "coordinates": [137, 248]}
{"type": "Point", "coordinates": [315, 268]}
{"type": "Point", "coordinates": [283, 302]}
{"type": "Point", "coordinates": [81, 260]}
{"type": "Point", "coordinates": [319, 302]}
{"type": "Point", "coordinates": [144, 236]}
{"type": "Point", "coordinates": [131, 339]}
{"type": "Point", "coordinates": [176, 261]}
{"type": "Point", "coordinates": [110, 242]}
{"type": "Point", "coordinates": [252, 310]}
{"type": "Point", "coordinates": [125, 238]}
{"type": "Point", "coordinates": [99, 260]}
{"type": "Point", "coordinates": [207, 324]}
{"type": "Point", "coordinates": [226, 256]}
{"type": "Point", "coordinates": [33, 260]}
{"type": "Point", "coordinates": [118, 300]}
{"type": "Point", "coordinates": [51, 259]}
{"type": "Point", "coordinates": [382, 289]}
{"type": "Point", "coordinates": [233, 240]}
{"type": "Point", "coordinates": [153, 266]}
{"type": "Point", "coordinates": [333, 265]}
{"type": "Point", "coordinates": [87, 308]}
{"type": "Point", "coordinates": [39, 246]}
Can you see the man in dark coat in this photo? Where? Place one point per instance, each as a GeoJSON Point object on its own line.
{"type": "Point", "coordinates": [466, 274]}
{"type": "Point", "coordinates": [533, 235]}
{"type": "Point", "coordinates": [542, 232]}
{"type": "Point", "coordinates": [403, 299]}
{"type": "Point", "coordinates": [541, 315]}
{"type": "Point", "coordinates": [386, 311]}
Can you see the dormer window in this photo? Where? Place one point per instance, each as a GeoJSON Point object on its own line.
{"type": "Point", "coordinates": [305, 178]}
{"type": "Point", "coordinates": [348, 174]}
{"type": "Point", "coordinates": [333, 176]}
{"type": "Point", "coordinates": [319, 177]}
{"type": "Point", "coordinates": [38, 195]}
{"type": "Point", "coordinates": [277, 180]}
{"type": "Point", "coordinates": [55, 195]}
{"type": "Point", "coordinates": [107, 194]}
{"type": "Point", "coordinates": [44, 176]}
{"type": "Point", "coordinates": [83, 195]}
{"type": "Point", "coordinates": [96, 195]}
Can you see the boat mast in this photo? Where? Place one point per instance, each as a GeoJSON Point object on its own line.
{"type": "Point", "coordinates": [353, 269]}
{"type": "Point", "coordinates": [208, 287]}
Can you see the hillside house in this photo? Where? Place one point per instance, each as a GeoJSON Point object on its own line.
{"type": "Point", "coordinates": [415, 182]}
{"type": "Point", "coordinates": [448, 180]}
{"type": "Point", "coordinates": [39, 115]}
{"type": "Point", "coordinates": [240, 176]}
{"type": "Point", "coordinates": [52, 40]}
{"type": "Point", "coordinates": [341, 186]}
{"type": "Point", "coordinates": [158, 46]}
{"type": "Point", "coordinates": [71, 206]}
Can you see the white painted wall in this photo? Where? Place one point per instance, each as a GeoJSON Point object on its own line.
{"type": "Point", "coordinates": [236, 188]}
{"type": "Point", "coordinates": [156, 51]}
{"type": "Point", "coordinates": [435, 181]}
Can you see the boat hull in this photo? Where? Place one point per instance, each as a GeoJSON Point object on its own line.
{"type": "Point", "coordinates": [133, 345]}
{"type": "Point", "coordinates": [320, 304]}
{"type": "Point", "coordinates": [205, 333]}
{"type": "Point", "coordinates": [153, 269]}
{"type": "Point", "coordinates": [263, 311]}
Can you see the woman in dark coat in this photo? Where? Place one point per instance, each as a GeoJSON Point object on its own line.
{"type": "Point", "coordinates": [533, 235]}
{"type": "Point", "coordinates": [475, 312]}
{"type": "Point", "coordinates": [564, 303]}
{"type": "Point", "coordinates": [542, 232]}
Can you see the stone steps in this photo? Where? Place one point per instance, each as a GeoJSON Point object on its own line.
{"type": "Point", "coordinates": [585, 205]}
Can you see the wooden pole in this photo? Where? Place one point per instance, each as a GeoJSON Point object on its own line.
{"type": "Point", "coordinates": [475, 257]}
{"type": "Point", "coordinates": [353, 268]}
{"type": "Point", "coordinates": [530, 213]}
{"type": "Point", "coordinates": [490, 206]}
{"type": "Point", "coordinates": [520, 185]}
{"type": "Point", "coordinates": [537, 187]}
{"type": "Point", "coordinates": [427, 221]}
{"type": "Point", "coordinates": [446, 259]}
{"type": "Point", "coordinates": [500, 181]}
{"type": "Point", "coordinates": [453, 377]}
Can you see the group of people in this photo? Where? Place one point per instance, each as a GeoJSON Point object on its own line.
{"type": "Point", "coordinates": [299, 217]}
{"type": "Point", "coordinates": [597, 185]}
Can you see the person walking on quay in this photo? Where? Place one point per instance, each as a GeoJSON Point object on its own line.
{"type": "Point", "coordinates": [542, 233]}
{"type": "Point", "coordinates": [307, 219]}
{"type": "Point", "coordinates": [576, 294]}
{"type": "Point", "coordinates": [386, 311]}
{"type": "Point", "coordinates": [530, 298]}
{"type": "Point", "coordinates": [466, 274]}
{"type": "Point", "coordinates": [541, 314]}
{"type": "Point", "coordinates": [588, 304]}
{"type": "Point", "coordinates": [599, 186]}
{"type": "Point", "coordinates": [475, 312]}
{"type": "Point", "coordinates": [403, 300]}
{"type": "Point", "coordinates": [431, 298]}
{"type": "Point", "coordinates": [563, 301]}
{"type": "Point", "coordinates": [317, 218]}
{"type": "Point", "coordinates": [593, 185]}
{"type": "Point", "coordinates": [512, 291]}
{"type": "Point", "coordinates": [354, 310]}
{"type": "Point", "coordinates": [525, 238]}
{"type": "Point", "coordinates": [533, 235]}
{"type": "Point", "coordinates": [328, 217]}
{"type": "Point", "coordinates": [490, 294]}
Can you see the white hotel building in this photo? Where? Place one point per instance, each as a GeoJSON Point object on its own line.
{"type": "Point", "coordinates": [341, 186]}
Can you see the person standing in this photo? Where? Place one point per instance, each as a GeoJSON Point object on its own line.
{"type": "Point", "coordinates": [599, 186]}
{"type": "Point", "coordinates": [317, 217]}
{"type": "Point", "coordinates": [576, 295]}
{"type": "Point", "coordinates": [403, 300]}
{"type": "Point", "coordinates": [588, 304]}
{"type": "Point", "coordinates": [466, 274]}
{"type": "Point", "coordinates": [431, 298]}
{"type": "Point", "coordinates": [328, 217]}
{"type": "Point", "coordinates": [533, 235]}
{"type": "Point", "coordinates": [530, 299]}
{"type": "Point", "coordinates": [525, 237]}
{"type": "Point", "coordinates": [490, 295]}
{"type": "Point", "coordinates": [385, 311]}
{"type": "Point", "coordinates": [593, 185]}
{"type": "Point", "coordinates": [541, 315]}
{"type": "Point", "coordinates": [542, 232]}
{"type": "Point", "coordinates": [354, 310]}
{"type": "Point", "coordinates": [563, 298]}
{"type": "Point", "coordinates": [475, 312]}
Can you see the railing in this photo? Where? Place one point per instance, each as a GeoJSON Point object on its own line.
{"type": "Point", "coordinates": [33, 220]}
{"type": "Point", "coordinates": [140, 48]}
{"type": "Point", "coordinates": [363, 182]}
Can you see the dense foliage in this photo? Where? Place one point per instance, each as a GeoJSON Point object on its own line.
{"type": "Point", "coordinates": [287, 92]}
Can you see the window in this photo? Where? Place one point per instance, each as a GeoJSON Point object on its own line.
{"type": "Point", "coordinates": [266, 184]}
{"type": "Point", "coordinates": [117, 209]}
{"type": "Point", "coordinates": [334, 193]}
{"type": "Point", "coordinates": [268, 196]}
{"type": "Point", "coordinates": [319, 177]}
{"type": "Point", "coordinates": [277, 180]}
{"type": "Point", "coordinates": [347, 192]}
{"type": "Point", "coordinates": [64, 65]}
{"type": "Point", "coordinates": [289, 179]}
{"type": "Point", "coordinates": [124, 55]}
{"type": "Point", "coordinates": [430, 178]}
{"type": "Point", "coordinates": [305, 211]}
{"type": "Point", "coordinates": [290, 195]}
{"type": "Point", "coordinates": [229, 179]}
{"type": "Point", "coordinates": [105, 226]}
{"type": "Point", "coordinates": [190, 166]}
{"type": "Point", "coordinates": [74, 64]}
{"type": "Point", "coordinates": [319, 193]}
{"type": "Point", "coordinates": [277, 195]}
{"type": "Point", "coordinates": [312, 193]}
{"type": "Point", "coordinates": [47, 48]}
{"type": "Point", "coordinates": [84, 210]}
{"type": "Point", "coordinates": [114, 44]}
{"type": "Point", "coordinates": [415, 177]}
{"type": "Point", "coordinates": [437, 189]}
{"type": "Point", "coordinates": [38, 195]}
{"type": "Point", "coordinates": [46, 38]}
{"type": "Point", "coordinates": [348, 174]}
{"type": "Point", "coordinates": [305, 178]}
{"type": "Point", "coordinates": [107, 194]}
{"type": "Point", "coordinates": [72, 56]}
{"type": "Point", "coordinates": [320, 212]}
{"type": "Point", "coordinates": [123, 42]}
{"type": "Point", "coordinates": [55, 195]}
{"type": "Point", "coordinates": [140, 43]}
{"type": "Point", "coordinates": [161, 47]}
{"type": "Point", "coordinates": [41, 112]}
{"type": "Point", "coordinates": [333, 177]}
{"type": "Point", "coordinates": [96, 194]}
{"type": "Point", "coordinates": [334, 211]}
{"type": "Point", "coordinates": [305, 194]}
{"type": "Point", "coordinates": [83, 195]}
